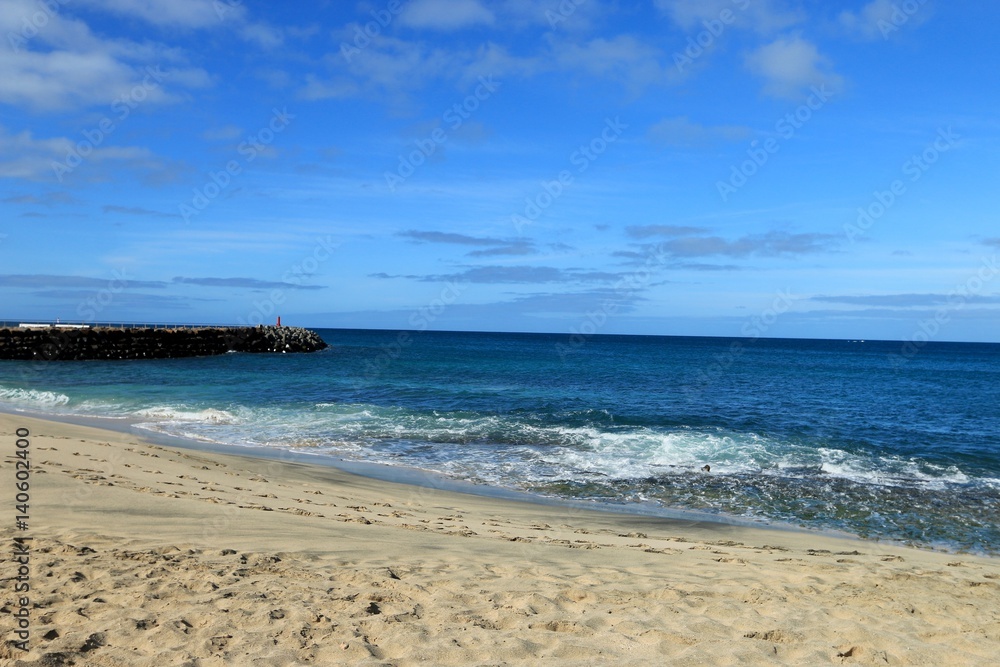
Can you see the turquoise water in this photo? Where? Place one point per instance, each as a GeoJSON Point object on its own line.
{"type": "Point", "coordinates": [823, 434]}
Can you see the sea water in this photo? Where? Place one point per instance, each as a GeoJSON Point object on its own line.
{"type": "Point", "coordinates": [866, 437]}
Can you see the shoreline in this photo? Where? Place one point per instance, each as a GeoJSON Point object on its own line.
{"type": "Point", "coordinates": [421, 478]}
{"type": "Point", "coordinates": [148, 554]}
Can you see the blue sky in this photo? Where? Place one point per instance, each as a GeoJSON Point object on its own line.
{"type": "Point", "coordinates": [717, 167]}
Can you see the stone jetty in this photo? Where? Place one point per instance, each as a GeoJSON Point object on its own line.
{"type": "Point", "coordinates": [78, 343]}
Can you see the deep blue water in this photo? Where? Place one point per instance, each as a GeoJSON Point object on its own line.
{"type": "Point", "coordinates": [853, 436]}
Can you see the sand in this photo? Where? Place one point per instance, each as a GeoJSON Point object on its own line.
{"type": "Point", "coordinates": [143, 554]}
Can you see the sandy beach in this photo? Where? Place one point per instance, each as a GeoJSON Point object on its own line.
{"type": "Point", "coordinates": [142, 554]}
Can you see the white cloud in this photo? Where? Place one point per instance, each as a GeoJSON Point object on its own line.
{"type": "Point", "coordinates": [395, 68]}
{"type": "Point", "coordinates": [194, 15]}
{"type": "Point", "coordinates": [622, 58]}
{"type": "Point", "coordinates": [24, 157]}
{"type": "Point", "coordinates": [878, 19]}
{"type": "Point", "coordinates": [23, 22]}
{"type": "Point", "coordinates": [58, 80]}
{"type": "Point", "coordinates": [265, 36]}
{"type": "Point", "coordinates": [491, 59]}
{"type": "Point", "coordinates": [61, 64]}
{"type": "Point", "coordinates": [572, 16]}
{"type": "Point", "coordinates": [790, 65]}
{"type": "Point", "coordinates": [760, 15]}
{"type": "Point", "coordinates": [173, 13]}
{"type": "Point", "coordinates": [322, 89]}
{"type": "Point", "coordinates": [445, 14]}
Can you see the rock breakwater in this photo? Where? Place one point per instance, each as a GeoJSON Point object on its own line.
{"type": "Point", "coordinates": [63, 344]}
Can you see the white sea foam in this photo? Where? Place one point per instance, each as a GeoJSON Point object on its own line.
{"type": "Point", "coordinates": [889, 471]}
{"type": "Point", "coordinates": [182, 415]}
{"type": "Point", "coordinates": [32, 397]}
{"type": "Point", "coordinates": [507, 450]}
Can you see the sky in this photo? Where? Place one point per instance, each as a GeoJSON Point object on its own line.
{"type": "Point", "coordinates": [778, 168]}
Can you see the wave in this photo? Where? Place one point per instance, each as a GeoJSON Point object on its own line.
{"type": "Point", "coordinates": [587, 455]}
{"type": "Point", "coordinates": [172, 414]}
{"type": "Point", "coordinates": [510, 449]}
{"type": "Point", "coordinates": [32, 397]}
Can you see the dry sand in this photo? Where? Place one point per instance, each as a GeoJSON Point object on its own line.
{"type": "Point", "coordinates": [150, 555]}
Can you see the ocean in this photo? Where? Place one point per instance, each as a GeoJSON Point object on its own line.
{"type": "Point", "coordinates": [862, 437]}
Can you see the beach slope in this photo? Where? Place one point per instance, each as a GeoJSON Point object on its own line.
{"type": "Point", "coordinates": [142, 554]}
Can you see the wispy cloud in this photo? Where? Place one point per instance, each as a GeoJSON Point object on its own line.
{"type": "Point", "coordinates": [219, 15]}
{"type": "Point", "coordinates": [648, 231]}
{"type": "Point", "coordinates": [681, 132]}
{"type": "Point", "coordinates": [690, 242]}
{"type": "Point", "coordinates": [246, 283]}
{"type": "Point", "coordinates": [512, 275]}
{"type": "Point", "coordinates": [125, 299]}
{"type": "Point", "coordinates": [37, 281]}
{"type": "Point", "coordinates": [224, 133]}
{"type": "Point", "coordinates": [512, 248]}
{"type": "Point", "coordinates": [22, 156]}
{"type": "Point", "coordinates": [21, 199]}
{"type": "Point", "coordinates": [445, 14]}
{"type": "Point", "coordinates": [47, 199]}
{"type": "Point", "coordinates": [770, 244]}
{"type": "Point", "coordinates": [135, 210]}
{"type": "Point", "coordinates": [761, 15]}
{"type": "Point", "coordinates": [623, 58]}
{"type": "Point", "coordinates": [701, 266]}
{"type": "Point", "coordinates": [906, 300]}
{"type": "Point", "coordinates": [539, 307]}
{"type": "Point", "coordinates": [493, 247]}
{"type": "Point", "coordinates": [876, 19]}
{"type": "Point", "coordinates": [448, 237]}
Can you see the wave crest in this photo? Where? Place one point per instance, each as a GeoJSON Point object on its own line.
{"type": "Point", "coordinates": [44, 399]}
